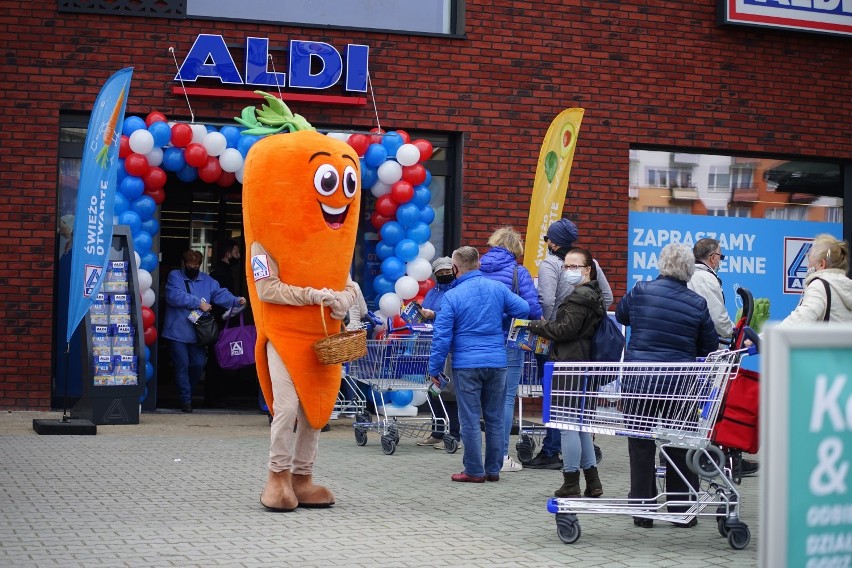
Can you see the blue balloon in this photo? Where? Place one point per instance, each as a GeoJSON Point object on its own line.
{"type": "Point", "coordinates": [408, 215]}
{"type": "Point", "coordinates": [392, 232]}
{"type": "Point", "coordinates": [151, 226]}
{"type": "Point", "coordinates": [149, 371]}
{"type": "Point", "coordinates": [173, 160]}
{"type": "Point", "coordinates": [132, 220]}
{"type": "Point", "coordinates": [245, 143]}
{"type": "Point", "coordinates": [382, 286]}
{"type": "Point", "coordinates": [428, 179]}
{"type": "Point", "coordinates": [375, 155]}
{"type": "Point", "coordinates": [144, 395]}
{"type": "Point", "coordinates": [231, 134]}
{"type": "Point", "coordinates": [132, 124]}
{"type": "Point", "coordinates": [210, 128]}
{"type": "Point", "coordinates": [392, 142]}
{"type": "Point", "coordinates": [384, 250]}
{"type": "Point", "coordinates": [422, 196]}
{"type": "Point", "coordinates": [419, 233]}
{"type": "Point", "coordinates": [369, 176]}
{"type": "Point", "coordinates": [402, 398]}
{"type": "Point", "coordinates": [387, 397]}
{"type": "Point", "coordinates": [427, 215]}
{"type": "Point", "coordinates": [161, 132]}
{"type": "Point", "coordinates": [132, 187]}
{"type": "Point", "coordinates": [407, 250]}
{"type": "Point", "coordinates": [121, 204]}
{"type": "Point", "coordinates": [142, 241]}
{"type": "Point", "coordinates": [187, 174]}
{"type": "Point", "coordinates": [145, 206]}
{"type": "Point", "coordinates": [149, 261]}
{"type": "Point", "coordinates": [393, 268]}
{"type": "Point", "coordinates": [122, 172]}
{"type": "Point", "coordinates": [147, 353]}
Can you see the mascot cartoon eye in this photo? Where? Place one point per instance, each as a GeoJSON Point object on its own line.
{"type": "Point", "coordinates": [326, 179]}
{"type": "Point", "coordinates": [350, 181]}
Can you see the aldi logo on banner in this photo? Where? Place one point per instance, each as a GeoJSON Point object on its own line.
{"type": "Point", "coordinates": [796, 251]}
{"type": "Point", "coordinates": [822, 16]}
{"type": "Point", "coordinates": [93, 276]}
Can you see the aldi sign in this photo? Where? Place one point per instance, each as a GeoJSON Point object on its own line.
{"type": "Point", "coordinates": [823, 16]}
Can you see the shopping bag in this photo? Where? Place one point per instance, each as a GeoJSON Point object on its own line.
{"type": "Point", "coordinates": [737, 425]}
{"type": "Point", "coordinates": [235, 347]}
{"type": "Point", "coordinates": [607, 342]}
{"type": "Point", "coordinates": [206, 330]}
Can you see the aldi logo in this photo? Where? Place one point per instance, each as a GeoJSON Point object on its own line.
{"type": "Point", "coordinates": [260, 267]}
{"type": "Point", "coordinates": [93, 276]}
{"type": "Point", "coordinates": [236, 348]}
{"type": "Point", "coordinates": [796, 251]}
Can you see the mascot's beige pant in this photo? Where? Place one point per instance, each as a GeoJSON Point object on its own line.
{"type": "Point", "coordinates": [288, 450]}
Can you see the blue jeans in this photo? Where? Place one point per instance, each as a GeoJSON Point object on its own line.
{"type": "Point", "coordinates": [552, 443]}
{"type": "Point", "coordinates": [189, 360]}
{"type": "Point", "coordinates": [515, 357]}
{"type": "Point", "coordinates": [481, 392]}
{"type": "Point", "coordinates": [578, 450]}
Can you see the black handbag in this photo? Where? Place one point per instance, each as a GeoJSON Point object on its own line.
{"type": "Point", "coordinates": [206, 330]}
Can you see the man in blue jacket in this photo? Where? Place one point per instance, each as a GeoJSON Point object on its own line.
{"type": "Point", "coordinates": [469, 326]}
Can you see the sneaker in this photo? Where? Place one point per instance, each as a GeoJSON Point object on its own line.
{"type": "Point", "coordinates": [510, 465]}
{"type": "Point", "coordinates": [749, 467]}
{"type": "Point", "coordinates": [430, 441]}
{"type": "Point", "coordinates": [543, 461]}
{"type": "Point", "coordinates": [440, 445]}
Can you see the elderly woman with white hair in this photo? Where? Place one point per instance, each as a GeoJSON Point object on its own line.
{"type": "Point", "coordinates": [668, 323]}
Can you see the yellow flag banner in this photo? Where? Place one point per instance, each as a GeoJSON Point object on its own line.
{"type": "Point", "coordinates": [551, 183]}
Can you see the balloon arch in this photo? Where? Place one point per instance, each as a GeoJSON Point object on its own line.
{"type": "Point", "coordinates": [392, 171]}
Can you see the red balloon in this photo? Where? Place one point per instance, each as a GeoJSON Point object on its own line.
{"type": "Point", "coordinates": [227, 179]}
{"type": "Point", "coordinates": [136, 164]}
{"type": "Point", "coordinates": [181, 135]}
{"type": "Point", "coordinates": [158, 195]}
{"type": "Point", "coordinates": [211, 170]}
{"type": "Point", "coordinates": [195, 154]}
{"type": "Point", "coordinates": [419, 298]}
{"type": "Point", "coordinates": [154, 116]}
{"type": "Point", "coordinates": [425, 286]}
{"type": "Point", "coordinates": [155, 178]}
{"type": "Point", "coordinates": [406, 137]}
{"type": "Point", "coordinates": [124, 147]}
{"type": "Point", "coordinates": [402, 191]}
{"type": "Point", "coordinates": [147, 317]}
{"type": "Point", "coordinates": [386, 206]}
{"type": "Point", "coordinates": [377, 220]}
{"type": "Point", "coordinates": [359, 143]}
{"type": "Point", "coordinates": [376, 138]}
{"type": "Point", "coordinates": [415, 175]}
{"type": "Point", "coordinates": [398, 323]}
{"type": "Point", "coordinates": [150, 335]}
{"type": "Point", "coordinates": [425, 148]}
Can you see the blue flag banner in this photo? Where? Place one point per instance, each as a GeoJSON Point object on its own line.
{"type": "Point", "coordinates": [96, 196]}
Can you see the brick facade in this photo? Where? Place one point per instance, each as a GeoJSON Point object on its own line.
{"type": "Point", "coordinates": [647, 73]}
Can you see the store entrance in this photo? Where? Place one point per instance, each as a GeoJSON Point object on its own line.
{"type": "Point", "coordinates": [199, 216]}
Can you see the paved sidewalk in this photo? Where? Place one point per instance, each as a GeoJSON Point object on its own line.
{"type": "Point", "coordinates": [182, 490]}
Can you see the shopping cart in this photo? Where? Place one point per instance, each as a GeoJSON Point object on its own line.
{"type": "Point", "coordinates": [394, 364]}
{"type": "Point", "coordinates": [686, 398]}
{"type": "Point", "coordinates": [351, 401]}
{"type": "Point", "coordinates": [530, 434]}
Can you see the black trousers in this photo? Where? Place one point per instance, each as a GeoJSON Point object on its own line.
{"type": "Point", "coordinates": [643, 469]}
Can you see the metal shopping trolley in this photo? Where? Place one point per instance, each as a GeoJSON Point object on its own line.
{"type": "Point", "coordinates": [530, 434]}
{"type": "Point", "coordinates": [394, 364]}
{"type": "Point", "coordinates": [674, 404]}
{"type": "Point", "coordinates": [351, 401]}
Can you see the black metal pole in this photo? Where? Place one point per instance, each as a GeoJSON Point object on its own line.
{"type": "Point", "coordinates": [65, 417]}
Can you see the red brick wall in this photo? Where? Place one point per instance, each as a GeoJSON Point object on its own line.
{"type": "Point", "coordinates": [646, 71]}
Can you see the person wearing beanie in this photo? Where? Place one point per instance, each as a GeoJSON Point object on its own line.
{"type": "Point", "coordinates": [553, 288]}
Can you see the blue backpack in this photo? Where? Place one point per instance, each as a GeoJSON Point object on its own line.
{"type": "Point", "coordinates": [607, 342]}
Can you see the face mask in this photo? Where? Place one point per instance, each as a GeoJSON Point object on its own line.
{"type": "Point", "coordinates": [445, 278]}
{"type": "Point", "coordinates": [191, 273]}
{"type": "Point", "coordinates": [233, 261]}
{"type": "Point", "coordinates": [811, 270]}
{"type": "Point", "coordinates": [574, 277]}
{"type": "Point", "coordinates": [561, 252]}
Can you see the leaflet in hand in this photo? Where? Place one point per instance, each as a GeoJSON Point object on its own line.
{"type": "Point", "coordinates": [524, 339]}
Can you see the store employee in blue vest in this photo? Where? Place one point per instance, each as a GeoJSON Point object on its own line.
{"type": "Point", "coordinates": [188, 290]}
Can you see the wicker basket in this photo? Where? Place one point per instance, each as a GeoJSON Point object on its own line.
{"type": "Point", "coordinates": [340, 347]}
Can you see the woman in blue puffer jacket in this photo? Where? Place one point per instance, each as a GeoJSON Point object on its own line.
{"type": "Point", "coordinates": [668, 323]}
{"type": "Point", "coordinates": [501, 264]}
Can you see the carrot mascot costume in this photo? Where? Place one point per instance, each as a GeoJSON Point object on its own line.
{"type": "Point", "coordinates": [301, 204]}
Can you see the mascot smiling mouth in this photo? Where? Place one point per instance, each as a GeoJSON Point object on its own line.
{"type": "Point", "coordinates": [334, 216]}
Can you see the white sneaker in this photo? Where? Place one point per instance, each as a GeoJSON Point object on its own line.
{"type": "Point", "coordinates": [510, 465]}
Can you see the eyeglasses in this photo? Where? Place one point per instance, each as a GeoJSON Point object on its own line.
{"type": "Point", "coordinates": [573, 266]}
{"type": "Point", "coordinates": [544, 238]}
{"type": "Point", "coordinates": [721, 256]}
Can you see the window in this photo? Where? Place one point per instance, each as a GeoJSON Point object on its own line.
{"type": "Point", "coordinates": [719, 178]}
{"type": "Point", "coordinates": [677, 210]}
{"type": "Point", "coordinates": [742, 177]}
{"type": "Point", "coordinates": [730, 212]}
{"type": "Point", "coordinates": [793, 213]}
{"type": "Point", "coordinates": [680, 177]}
{"type": "Point", "coordinates": [658, 178]}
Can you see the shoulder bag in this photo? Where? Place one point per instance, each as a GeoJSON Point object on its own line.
{"type": "Point", "coordinates": [206, 330]}
{"type": "Point", "coordinates": [235, 347]}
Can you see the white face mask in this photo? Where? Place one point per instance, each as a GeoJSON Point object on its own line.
{"type": "Point", "coordinates": [574, 277]}
{"type": "Point", "coordinates": [811, 270]}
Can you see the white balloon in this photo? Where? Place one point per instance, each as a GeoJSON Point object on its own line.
{"type": "Point", "coordinates": [145, 280]}
{"type": "Point", "coordinates": [427, 251]}
{"type": "Point", "coordinates": [199, 132]}
{"type": "Point", "coordinates": [141, 141]}
{"type": "Point", "coordinates": [138, 258]}
{"type": "Point", "coordinates": [379, 189]}
{"type": "Point", "coordinates": [155, 157]}
{"type": "Point", "coordinates": [420, 269]}
{"type": "Point", "coordinates": [148, 298]}
{"type": "Point", "coordinates": [239, 173]}
{"type": "Point", "coordinates": [231, 160]}
{"type": "Point", "coordinates": [408, 155]}
{"type": "Point", "coordinates": [390, 172]}
{"type": "Point", "coordinates": [406, 287]}
{"type": "Point", "coordinates": [215, 143]}
{"type": "Point", "coordinates": [389, 304]}
{"type": "Point", "coordinates": [419, 398]}
{"type": "Point", "coordinates": [342, 136]}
